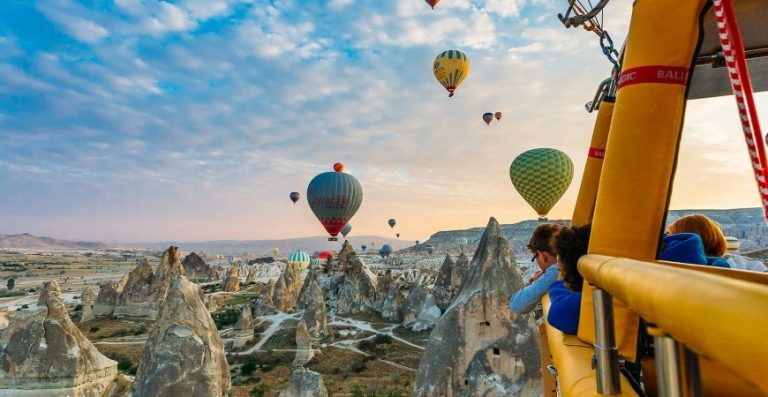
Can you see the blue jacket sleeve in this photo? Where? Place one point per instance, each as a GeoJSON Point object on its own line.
{"type": "Point", "coordinates": [526, 298]}
{"type": "Point", "coordinates": [564, 309]}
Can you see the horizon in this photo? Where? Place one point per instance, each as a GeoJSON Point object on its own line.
{"type": "Point", "coordinates": [192, 121]}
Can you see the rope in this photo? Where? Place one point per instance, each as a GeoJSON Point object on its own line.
{"type": "Point", "coordinates": [733, 50]}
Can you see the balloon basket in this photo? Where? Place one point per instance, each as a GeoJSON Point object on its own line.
{"type": "Point", "coordinates": [333, 239]}
{"type": "Point", "coordinates": [543, 219]}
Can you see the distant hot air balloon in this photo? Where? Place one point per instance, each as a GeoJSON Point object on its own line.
{"type": "Point", "coordinates": [432, 3]}
{"type": "Point", "coordinates": [338, 167]}
{"type": "Point", "coordinates": [392, 222]}
{"type": "Point", "coordinates": [450, 69]}
{"type": "Point", "coordinates": [295, 196]}
{"type": "Point", "coordinates": [417, 243]}
{"type": "Point", "coordinates": [462, 241]}
{"type": "Point", "coordinates": [488, 117]}
{"type": "Point", "coordinates": [364, 247]}
{"type": "Point", "coordinates": [299, 260]}
{"type": "Point", "coordinates": [346, 229]}
{"type": "Point", "coordinates": [397, 234]}
{"type": "Point", "coordinates": [334, 197]}
{"type": "Point", "coordinates": [498, 116]}
{"type": "Point", "coordinates": [373, 244]}
{"type": "Point", "coordinates": [276, 251]}
{"type": "Point", "coordinates": [541, 176]}
{"type": "Point", "coordinates": [386, 250]}
{"type": "Point", "coordinates": [430, 248]}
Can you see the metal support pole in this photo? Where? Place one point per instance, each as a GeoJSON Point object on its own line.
{"type": "Point", "coordinates": [667, 366]}
{"type": "Point", "coordinates": [606, 352]}
{"type": "Point", "coordinates": [692, 373]}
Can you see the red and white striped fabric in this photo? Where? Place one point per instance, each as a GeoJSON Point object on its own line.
{"type": "Point", "coordinates": [733, 51]}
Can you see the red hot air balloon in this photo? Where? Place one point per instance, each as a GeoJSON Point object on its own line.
{"type": "Point", "coordinates": [338, 167]}
{"type": "Point", "coordinates": [295, 196]}
{"type": "Point", "coordinates": [432, 3]}
{"type": "Point", "coordinates": [488, 117]}
{"type": "Point", "coordinates": [498, 116]}
{"type": "Point", "coordinates": [334, 197]}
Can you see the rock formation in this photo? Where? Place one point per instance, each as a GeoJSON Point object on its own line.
{"type": "Point", "coordinates": [196, 269]}
{"type": "Point", "coordinates": [449, 280]}
{"type": "Point", "coordinates": [232, 282]}
{"type": "Point", "coordinates": [88, 296]}
{"type": "Point", "coordinates": [251, 278]}
{"type": "Point", "coordinates": [304, 383]}
{"type": "Point", "coordinates": [243, 328]}
{"type": "Point", "coordinates": [304, 351]}
{"type": "Point", "coordinates": [479, 348]}
{"type": "Point", "coordinates": [393, 306]}
{"type": "Point", "coordinates": [145, 290]}
{"type": "Point", "coordinates": [420, 311]}
{"type": "Point", "coordinates": [5, 318]}
{"type": "Point", "coordinates": [184, 355]}
{"type": "Point", "coordinates": [287, 289]}
{"type": "Point", "coordinates": [43, 353]}
{"type": "Point", "coordinates": [315, 314]}
{"type": "Point", "coordinates": [357, 291]}
{"type": "Point", "coordinates": [107, 297]}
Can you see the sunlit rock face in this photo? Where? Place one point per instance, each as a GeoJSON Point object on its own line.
{"type": "Point", "coordinates": [184, 354]}
{"type": "Point", "coordinates": [88, 297]}
{"type": "Point", "coordinates": [43, 353]}
{"type": "Point", "coordinates": [287, 289]}
{"type": "Point", "coordinates": [357, 291]}
{"type": "Point", "coordinates": [243, 328]}
{"type": "Point", "coordinates": [145, 290]}
{"type": "Point", "coordinates": [478, 347]}
{"type": "Point", "coordinates": [107, 297]}
{"type": "Point", "coordinates": [304, 383]}
{"type": "Point", "coordinates": [232, 281]}
{"type": "Point", "coordinates": [315, 314]}
{"type": "Point", "coordinates": [420, 311]}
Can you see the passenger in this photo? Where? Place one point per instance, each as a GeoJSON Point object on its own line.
{"type": "Point", "coordinates": [711, 235]}
{"type": "Point", "coordinates": [565, 295]}
{"type": "Point", "coordinates": [541, 246]}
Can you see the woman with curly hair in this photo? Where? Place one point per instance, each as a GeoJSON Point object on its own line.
{"type": "Point", "coordinates": [565, 295]}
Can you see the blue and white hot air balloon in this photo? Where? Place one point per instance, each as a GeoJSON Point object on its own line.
{"type": "Point", "coordinates": [299, 260]}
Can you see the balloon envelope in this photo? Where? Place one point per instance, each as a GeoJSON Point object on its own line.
{"type": "Point", "coordinates": [450, 69]}
{"type": "Point", "coordinates": [334, 197]}
{"type": "Point", "coordinates": [346, 229]}
{"type": "Point", "coordinates": [498, 115]}
{"type": "Point", "coordinates": [276, 251]}
{"type": "Point", "coordinates": [294, 196]}
{"type": "Point", "coordinates": [432, 3]}
{"type": "Point", "coordinates": [488, 117]}
{"type": "Point", "coordinates": [324, 255]}
{"type": "Point", "coordinates": [386, 249]}
{"type": "Point", "coordinates": [338, 167]}
{"type": "Point", "coordinates": [299, 260]}
{"type": "Point", "coordinates": [462, 241]}
{"type": "Point", "coordinates": [364, 247]}
{"type": "Point", "coordinates": [392, 222]}
{"type": "Point", "coordinates": [314, 263]}
{"type": "Point", "coordinates": [541, 176]}
{"type": "Point", "coordinates": [398, 235]}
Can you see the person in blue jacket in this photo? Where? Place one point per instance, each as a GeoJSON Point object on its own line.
{"type": "Point", "coordinates": [688, 248]}
{"type": "Point", "coordinates": [542, 247]}
{"type": "Point", "coordinates": [565, 295]}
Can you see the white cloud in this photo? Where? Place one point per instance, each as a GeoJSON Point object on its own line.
{"type": "Point", "coordinates": [169, 18]}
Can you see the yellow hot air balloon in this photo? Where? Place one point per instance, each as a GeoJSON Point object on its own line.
{"type": "Point", "coordinates": [276, 251]}
{"type": "Point", "coordinates": [450, 69]}
{"type": "Point", "coordinates": [541, 176]}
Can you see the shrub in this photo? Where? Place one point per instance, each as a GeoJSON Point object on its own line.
{"type": "Point", "coordinates": [382, 338]}
{"type": "Point", "coordinates": [365, 344]}
{"type": "Point", "coordinates": [141, 330]}
{"type": "Point", "coordinates": [357, 367]}
{"type": "Point", "coordinates": [94, 329]}
{"type": "Point", "coordinates": [248, 367]}
{"type": "Point", "coordinates": [121, 332]}
{"type": "Point", "coordinates": [260, 390]}
{"type": "Point", "coordinates": [357, 390]}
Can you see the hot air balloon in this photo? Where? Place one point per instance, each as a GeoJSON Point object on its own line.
{"type": "Point", "coordinates": [338, 167]}
{"type": "Point", "coordinates": [314, 263]}
{"type": "Point", "coordinates": [451, 68]}
{"type": "Point", "coordinates": [488, 117]}
{"type": "Point", "coordinates": [346, 229]}
{"type": "Point", "coordinates": [276, 251]}
{"type": "Point", "coordinates": [541, 176]}
{"type": "Point", "coordinates": [334, 197]}
{"type": "Point", "coordinates": [498, 116]}
{"type": "Point", "coordinates": [373, 244]}
{"type": "Point", "coordinates": [462, 241]}
{"type": "Point", "coordinates": [392, 222]}
{"type": "Point", "coordinates": [417, 243]}
{"type": "Point", "coordinates": [364, 247]}
{"type": "Point", "coordinates": [397, 234]}
{"type": "Point", "coordinates": [386, 250]}
{"type": "Point", "coordinates": [295, 196]}
{"type": "Point", "coordinates": [432, 3]}
{"type": "Point", "coordinates": [299, 260]}
{"type": "Point", "coordinates": [430, 248]}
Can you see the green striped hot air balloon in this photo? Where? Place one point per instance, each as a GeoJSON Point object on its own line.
{"type": "Point", "coordinates": [334, 197]}
{"type": "Point", "coordinates": [299, 260]}
{"type": "Point", "coordinates": [314, 263]}
{"type": "Point", "coordinates": [541, 176]}
{"type": "Point", "coordinates": [346, 229]}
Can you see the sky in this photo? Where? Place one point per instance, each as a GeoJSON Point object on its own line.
{"type": "Point", "coordinates": [190, 120]}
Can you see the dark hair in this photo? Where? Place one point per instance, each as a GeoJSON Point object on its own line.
{"type": "Point", "coordinates": [571, 244]}
{"type": "Point", "coordinates": [541, 238]}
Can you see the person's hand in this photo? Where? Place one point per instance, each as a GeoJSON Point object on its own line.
{"type": "Point", "coordinates": [536, 276]}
